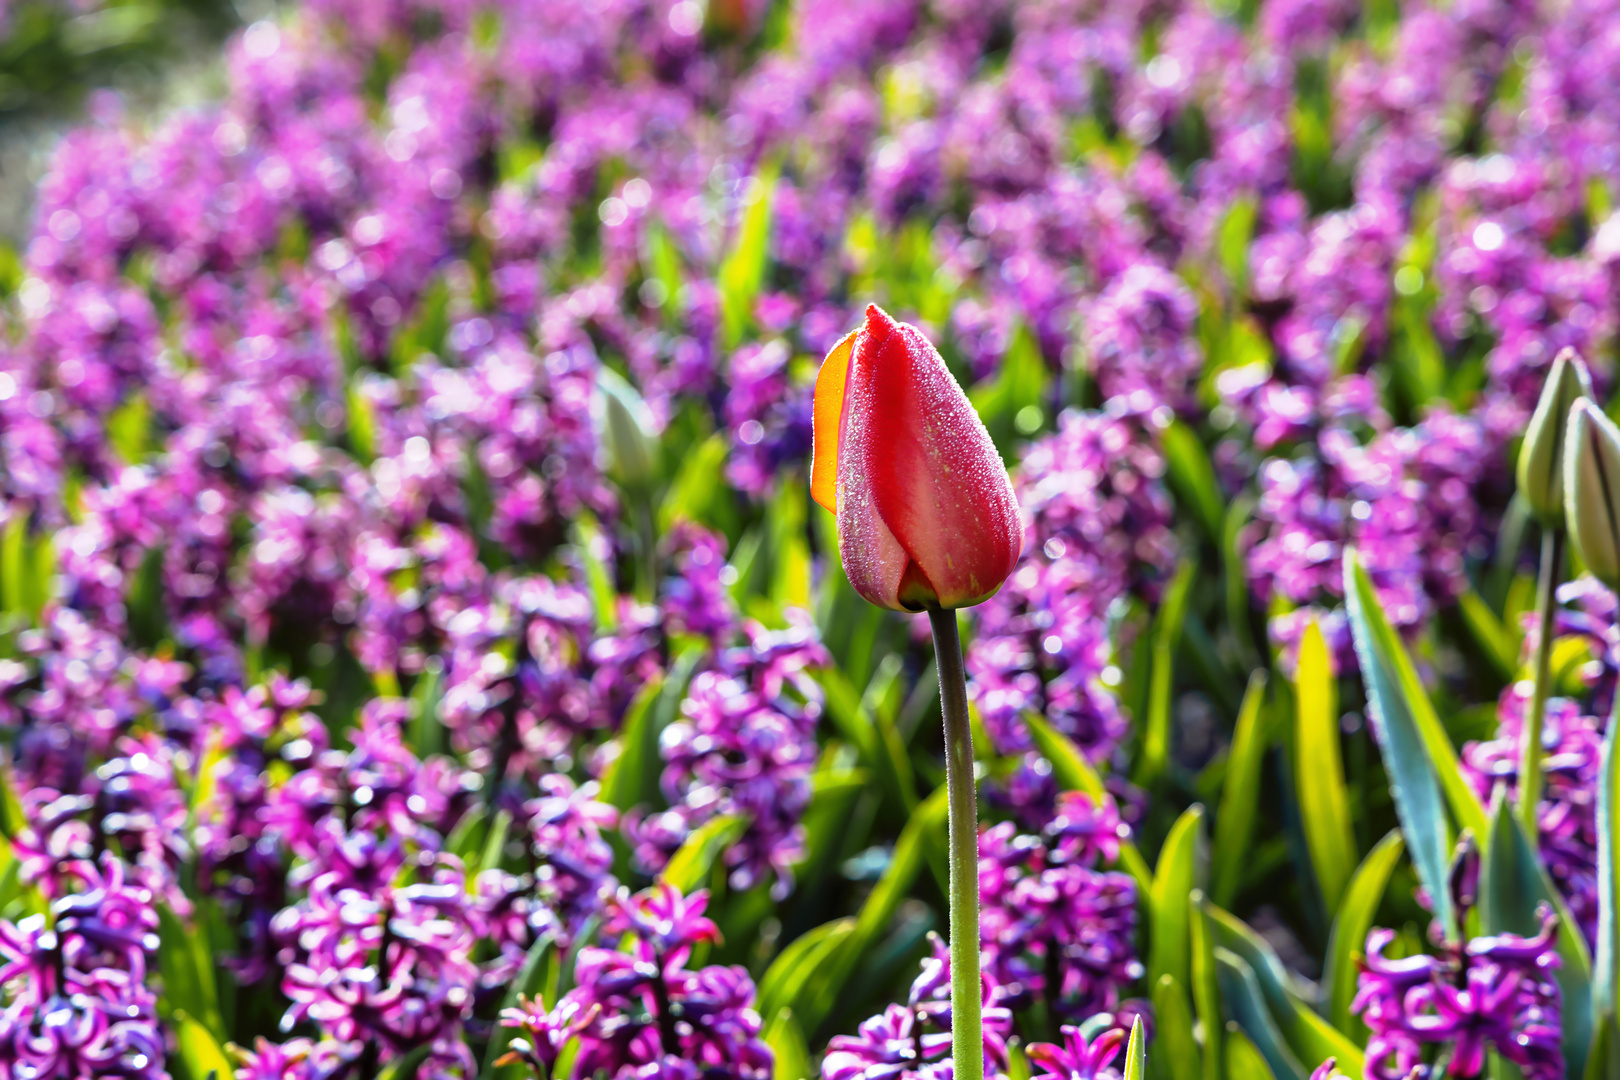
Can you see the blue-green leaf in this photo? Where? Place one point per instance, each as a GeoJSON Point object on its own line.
{"type": "Point", "coordinates": [1418, 799]}
{"type": "Point", "coordinates": [1605, 970]}
{"type": "Point", "coordinates": [1350, 926]}
{"type": "Point", "coordinates": [1247, 1004]}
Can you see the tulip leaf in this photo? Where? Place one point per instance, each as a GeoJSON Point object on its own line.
{"type": "Point", "coordinates": [1175, 1048]}
{"type": "Point", "coordinates": [1206, 990]}
{"type": "Point", "coordinates": [1074, 773]}
{"type": "Point", "coordinates": [1350, 926]}
{"type": "Point", "coordinates": [1240, 793]}
{"type": "Point", "coordinates": [689, 867]}
{"type": "Point", "coordinates": [1243, 1060]}
{"type": "Point", "coordinates": [1324, 805]}
{"type": "Point", "coordinates": [1166, 637]}
{"type": "Point", "coordinates": [1136, 1052]}
{"type": "Point", "coordinates": [1418, 799]}
{"type": "Point", "coordinates": [1512, 886]}
{"type": "Point", "coordinates": [1173, 882]}
{"type": "Point", "coordinates": [1193, 477]}
{"type": "Point", "coordinates": [1247, 1004]}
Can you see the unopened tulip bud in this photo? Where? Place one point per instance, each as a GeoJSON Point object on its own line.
{"type": "Point", "coordinates": [1541, 457]}
{"type": "Point", "coordinates": [1592, 490]}
{"type": "Point", "coordinates": [927, 518]}
{"type": "Point", "coordinates": [625, 426]}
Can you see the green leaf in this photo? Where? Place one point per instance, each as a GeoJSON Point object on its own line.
{"type": "Point", "coordinates": [1020, 383]}
{"type": "Point", "coordinates": [698, 486]}
{"type": "Point", "coordinates": [199, 1051]}
{"type": "Point", "coordinates": [1306, 1035]}
{"type": "Point", "coordinates": [1206, 989]}
{"type": "Point", "coordinates": [743, 272]}
{"type": "Point", "coordinates": [1175, 1048]}
{"type": "Point", "coordinates": [1136, 1052]}
{"type": "Point", "coordinates": [527, 983]}
{"type": "Point", "coordinates": [1418, 800]}
{"type": "Point", "coordinates": [1324, 806]}
{"type": "Point", "coordinates": [1232, 243]}
{"type": "Point", "coordinates": [404, 1068]}
{"type": "Point", "coordinates": [1074, 773]}
{"type": "Point", "coordinates": [1247, 1003]}
{"type": "Point", "coordinates": [427, 731]}
{"type": "Point", "coordinates": [1173, 882]}
{"type": "Point", "coordinates": [787, 1044]}
{"type": "Point", "coordinates": [1193, 477]}
{"type": "Point", "coordinates": [1495, 642]}
{"type": "Point", "coordinates": [879, 745]}
{"type": "Point", "coordinates": [187, 965]}
{"type": "Point", "coordinates": [632, 778]}
{"type": "Point", "coordinates": [1605, 991]}
{"type": "Point", "coordinates": [495, 843]}
{"type": "Point", "coordinates": [1166, 636]}
{"type": "Point", "coordinates": [1350, 926]}
{"type": "Point", "coordinates": [1512, 885]}
{"type": "Point", "coordinates": [129, 429]}
{"type": "Point", "coordinates": [1240, 793]}
{"type": "Point", "coordinates": [689, 867]}
{"type": "Point", "coordinates": [784, 981]}
{"type": "Point", "coordinates": [1243, 1061]}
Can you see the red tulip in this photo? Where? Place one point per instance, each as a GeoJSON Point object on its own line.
{"type": "Point", "coordinates": [926, 512]}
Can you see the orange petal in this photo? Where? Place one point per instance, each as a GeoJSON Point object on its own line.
{"type": "Point", "coordinates": [828, 423]}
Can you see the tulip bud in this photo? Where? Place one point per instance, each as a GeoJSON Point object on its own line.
{"type": "Point", "coordinates": [1541, 457]}
{"type": "Point", "coordinates": [926, 513]}
{"type": "Point", "coordinates": [625, 427]}
{"type": "Point", "coordinates": [1592, 490]}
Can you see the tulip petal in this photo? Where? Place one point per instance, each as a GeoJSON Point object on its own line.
{"type": "Point", "coordinates": [828, 414]}
{"type": "Point", "coordinates": [917, 468]}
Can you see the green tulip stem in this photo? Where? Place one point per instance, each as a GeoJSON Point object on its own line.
{"type": "Point", "coordinates": [967, 1029]}
{"type": "Point", "coordinates": [1552, 556]}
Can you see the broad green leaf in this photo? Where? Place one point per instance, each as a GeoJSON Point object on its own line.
{"type": "Point", "coordinates": [689, 867]}
{"type": "Point", "coordinates": [1232, 243]}
{"type": "Point", "coordinates": [881, 750]}
{"type": "Point", "coordinates": [1243, 1060]}
{"type": "Point", "coordinates": [1206, 989]}
{"type": "Point", "coordinates": [129, 429]}
{"type": "Point", "coordinates": [187, 966]}
{"type": "Point", "coordinates": [786, 1040]}
{"type": "Point", "coordinates": [199, 1051]}
{"type": "Point", "coordinates": [1175, 1049]}
{"type": "Point", "coordinates": [1240, 794]}
{"type": "Point", "coordinates": [1166, 637]}
{"type": "Point", "coordinates": [362, 424]}
{"type": "Point", "coordinates": [1494, 641]}
{"type": "Point", "coordinates": [826, 820]}
{"type": "Point", "coordinates": [427, 730]}
{"type": "Point", "coordinates": [1418, 799]}
{"type": "Point", "coordinates": [1193, 477]}
{"type": "Point", "coordinates": [1074, 773]}
{"type": "Point", "coordinates": [463, 839]}
{"type": "Point", "coordinates": [527, 983]}
{"type": "Point", "coordinates": [1512, 885]}
{"type": "Point", "coordinates": [743, 272]}
{"type": "Point", "coordinates": [1324, 806]}
{"type": "Point", "coordinates": [1173, 882]}
{"type": "Point", "coordinates": [1136, 1052]}
{"type": "Point", "coordinates": [784, 981]}
{"type": "Point", "coordinates": [1247, 1004]}
{"type": "Point", "coordinates": [632, 778]}
{"type": "Point", "coordinates": [1350, 926]}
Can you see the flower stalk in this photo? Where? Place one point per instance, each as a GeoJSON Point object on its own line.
{"type": "Point", "coordinates": [967, 1028]}
{"type": "Point", "coordinates": [1552, 558]}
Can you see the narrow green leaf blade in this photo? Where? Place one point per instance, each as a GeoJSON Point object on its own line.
{"type": "Point", "coordinates": [1175, 1048]}
{"type": "Point", "coordinates": [1074, 773]}
{"type": "Point", "coordinates": [1166, 637]}
{"type": "Point", "coordinates": [688, 869]}
{"type": "Point", "coordinates": [1245, 1000]}
{"type": "Point", "coordinates": [1240, 793]}
{"type": "Point", "coordinates": [1350, 926]}
{"type": "Point", "coordinates": [1173, 883]}
{"type": "Point", "coordinates": [1324, 805]}
{"type": "Point", "coordinates": [1136, 1052]}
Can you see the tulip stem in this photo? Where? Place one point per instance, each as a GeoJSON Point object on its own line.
{"type": "Point", "coordinates": [967, 1029]}
{"type": "Point", "coordinates": [1552, 556]}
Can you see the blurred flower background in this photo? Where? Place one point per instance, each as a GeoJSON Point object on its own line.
{"type": "Point", "coordinates": [420, 655]}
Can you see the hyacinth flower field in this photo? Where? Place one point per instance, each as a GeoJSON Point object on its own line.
{"type": "Point", "coordinates": [816, 540]}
